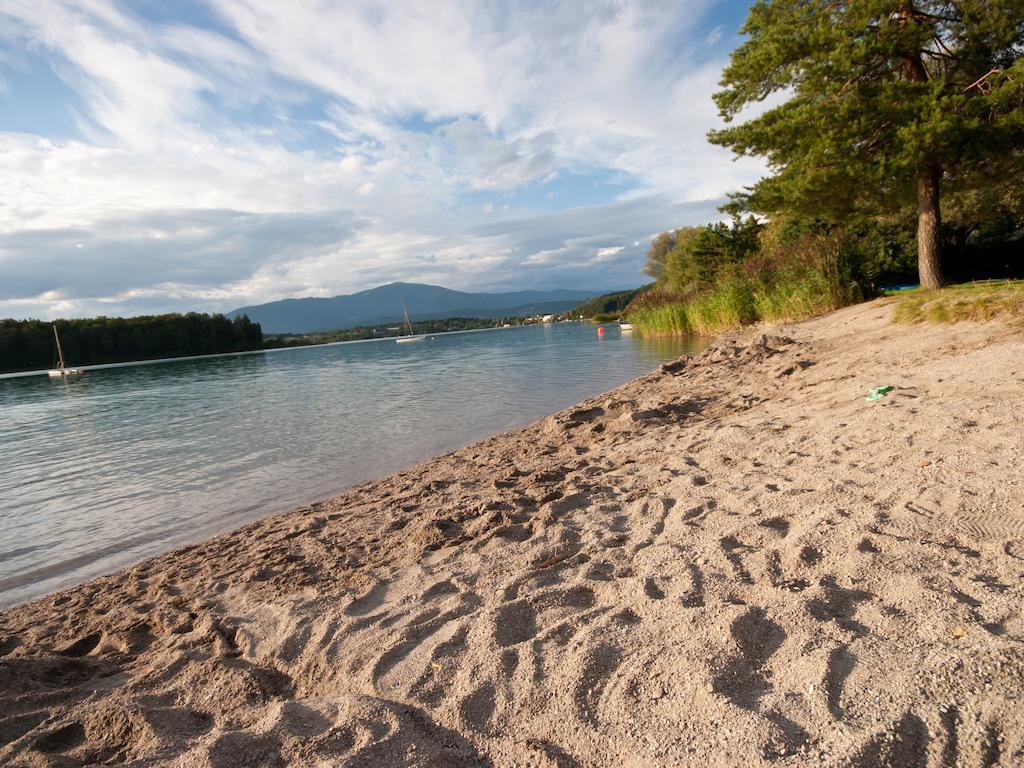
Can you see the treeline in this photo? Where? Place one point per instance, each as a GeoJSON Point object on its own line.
{"type": "Point", "coordinates": [895, 157]}
{"type": "Point", "coordinates": [27, 345]}
{"type": "Point", "coordinates": [789, 267]}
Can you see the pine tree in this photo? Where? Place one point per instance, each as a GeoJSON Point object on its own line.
{"type": "Point", "coordinates": [889, 103]}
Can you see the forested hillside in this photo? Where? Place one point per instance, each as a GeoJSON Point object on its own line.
{"type": "Point", "coordinates": [607, 305]}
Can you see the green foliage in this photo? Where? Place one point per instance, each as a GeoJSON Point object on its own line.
{"type": "Point", "coordinates": [608, 305]}
{"type": "Point", "coordinates": [29, 345]}
{"type": "Point", "coordinates": [805, 271]}
{"type": "Point", "coordinates": [791, 271]}
{"type": "Point", "coordinates": [880, 93]}
{"type": "Point", "coordinates": [730, 303]}
{"type": "Point", "coordinates": [700, 253]}
{"type": "Point", "coordinates": [660, 248]}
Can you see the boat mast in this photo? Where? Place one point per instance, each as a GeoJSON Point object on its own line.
{"type": "Point", "coordinates": [60, 353]}
{"type": "Point", "coordinates": [406, 311]}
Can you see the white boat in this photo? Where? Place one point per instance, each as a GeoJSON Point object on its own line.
{"type": "Point", "coordinates": [625, 326]}
{"type": "Point", "coordinates": [411, 337]}
{"type": "Point", "coordinates": [61, 369]}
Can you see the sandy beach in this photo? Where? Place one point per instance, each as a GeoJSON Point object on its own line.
{"type": "Point", "coordinates": [735, 560]}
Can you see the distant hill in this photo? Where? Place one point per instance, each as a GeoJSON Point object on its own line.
{"type": "Point", "coordinates": [384, 305]}
{"type": "Point", "coordinates": [609, 303]}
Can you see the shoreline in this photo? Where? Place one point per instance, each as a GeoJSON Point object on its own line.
{"type": "Point", "coordinates": [732, 560]}
{"type": "Point", "coordinates": [262, 477]}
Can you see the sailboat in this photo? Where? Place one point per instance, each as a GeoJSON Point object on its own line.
{"type": "Point", "coordinates": [410, 337]}
{"type": "Point", "coordinates": [61, 369]}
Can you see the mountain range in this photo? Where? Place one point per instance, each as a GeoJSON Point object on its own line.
{"type": "Point", "coordinates": [384, 305]}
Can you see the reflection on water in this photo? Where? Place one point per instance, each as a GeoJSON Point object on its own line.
{"type": "Point", "coordinates": [100, 471]}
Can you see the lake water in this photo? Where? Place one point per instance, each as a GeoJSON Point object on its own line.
{"type": "Point", "coordinates": [103, 470]}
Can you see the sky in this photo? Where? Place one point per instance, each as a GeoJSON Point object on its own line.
{"type": "Point", "coordinates": [202, 155]}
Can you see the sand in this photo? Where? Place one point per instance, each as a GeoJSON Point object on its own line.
{"type": "Point", "coordinates": [735, 560]}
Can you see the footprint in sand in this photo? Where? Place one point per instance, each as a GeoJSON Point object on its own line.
{"type": "Point", "coordinates": [515, 623]}
{"type": "Point", "coordinates": [565, 601]}
{"type": "Point", "coordinates": [744, 682]}
{"type": "Point", "coordinates": [598, 667]}
{"type": "Point", "coordinates": [377, 732]}
{"type": "Point", "coordinates": [236, 749]}
{"type": "Point", "coordinates": [839, 604]}
{"type": "Point", "coordinates": [8, 644]}
{"type": "Point", "coordinates": [695, 515]}
{"type": "Point", "coordinates": [810, 555]}
{"type": "Point", "coordinates": [418, 642]}
{"type": "Point", "coordinates": [654, 512]}
{"type": "Point", "coordinates": [732, 548]}
{"type": "Point", "coordinates": [867, 546]}
{"type": "Point", "coordinates": [757, 639]}
{"type": "Point", "coordinates": [441, 589]}
{"type": "Point", "coordinates": [369, 601]}
{"type": "Point", "coordinates": [60, 739]}
{"type": "Point", "coordinates": [477, 709]}
{"type": "Point", "coordinates": [841, 663]}
{"type": "Point", "coordinates": [81, 647]}
{"type": "Point", "coordinates": [695, 597]}
{"type": "Point", "coordinates": [652, 590]}
{"type": "Point", "coordinates": [179, 722]}
{"type": "Point", "coordinates": [779, 525]}
{"type": "Point", "coordinates": [905, 744]}
{"type": "Point", "coordinates": [435, 680]}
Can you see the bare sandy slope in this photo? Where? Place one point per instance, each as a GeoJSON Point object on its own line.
{"type": "Point", "coordinates": [733, 561]}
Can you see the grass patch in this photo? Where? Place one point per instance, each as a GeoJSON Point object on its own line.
{"type": "Point", "coordinates": [977, 302]}
{"type": "Point", "coordinates": [664, 319]}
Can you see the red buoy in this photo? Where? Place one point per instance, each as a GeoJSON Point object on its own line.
{"type": "Point", "coordinates": [600, 331]}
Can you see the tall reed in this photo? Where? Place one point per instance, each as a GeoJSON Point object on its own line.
{"type": "Point", "coordinates": [805, 277]}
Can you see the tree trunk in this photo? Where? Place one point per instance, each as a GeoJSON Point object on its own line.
{"type": "Point", "coordinates": [929, 246]}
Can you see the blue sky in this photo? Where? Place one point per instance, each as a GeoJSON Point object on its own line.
{"type": "Point", "coordinates": [167, 156]}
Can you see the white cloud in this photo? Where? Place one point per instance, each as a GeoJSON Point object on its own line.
{"type": "Point", "coordinates": [351, 164]}
{"type": "Point", "coordinates": [383, 124]}
{"type": "Point", "coordinates": [486, 161]}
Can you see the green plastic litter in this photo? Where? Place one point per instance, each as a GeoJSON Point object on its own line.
{"type": "Point", "coordinates": [878, 393]}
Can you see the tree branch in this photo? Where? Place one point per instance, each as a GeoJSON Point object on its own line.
{"type": "Point", "coordinates": [980, 82]}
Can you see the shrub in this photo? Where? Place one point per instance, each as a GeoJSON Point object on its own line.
{"type": "Point", "coordinates": [794, 273]}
